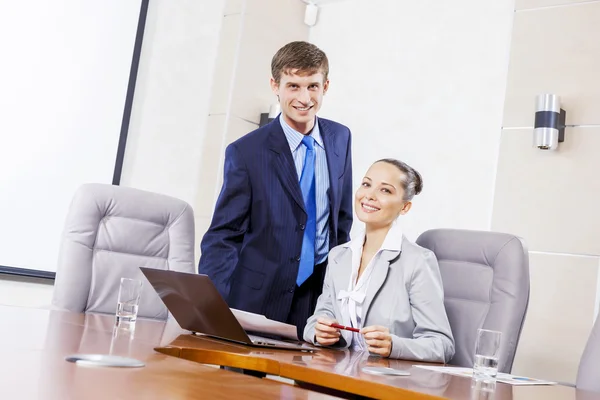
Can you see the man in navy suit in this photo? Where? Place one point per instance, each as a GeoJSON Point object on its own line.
{"type": "Point", "coordinates": [286, 198]}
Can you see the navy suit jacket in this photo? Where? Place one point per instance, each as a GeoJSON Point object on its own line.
{"type": "Point", "coordinates": [252, 249]}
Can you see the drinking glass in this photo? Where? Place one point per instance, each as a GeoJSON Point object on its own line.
{"type": "Point", "coordinates": [129, 300]}
{"type": "Point", "coordinates": [487, 350]}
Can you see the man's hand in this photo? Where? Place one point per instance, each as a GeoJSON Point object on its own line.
{"type": "Point", "coordinates": [324, 333]}
{"type": "Point", "coordinates": [378, 339]}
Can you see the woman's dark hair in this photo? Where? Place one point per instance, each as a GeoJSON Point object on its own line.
{"type": "Point", "coordinates": [412, 182]}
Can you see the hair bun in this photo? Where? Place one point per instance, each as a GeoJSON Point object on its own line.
{"type": "Point", "coordinates": [418, 182]}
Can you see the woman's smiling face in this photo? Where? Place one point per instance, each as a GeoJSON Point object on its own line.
{"type": "Point", "coordinates": [380, 198]}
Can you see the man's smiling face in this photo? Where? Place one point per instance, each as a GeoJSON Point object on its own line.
{"type": "Point", "coordinates": [300, 97]}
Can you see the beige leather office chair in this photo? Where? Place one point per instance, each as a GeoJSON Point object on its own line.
{"type": "Point", "coordinates": [486, 285]}
{"type": "Point", "coordinates": [110, 232]}
{"type": "Point", "coordinates": [588, 376]}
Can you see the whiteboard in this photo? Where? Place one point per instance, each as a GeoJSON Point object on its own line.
{"type": "Point", "coordinates": [64, 76]}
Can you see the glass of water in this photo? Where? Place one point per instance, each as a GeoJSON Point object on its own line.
{"type": "Point", "coordinates": [487, 350]}
{"type": "Point", "coordinates": [129, 300]}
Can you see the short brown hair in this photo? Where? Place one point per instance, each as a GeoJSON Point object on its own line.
{"type": "Point", "coordinates": [303, 56]}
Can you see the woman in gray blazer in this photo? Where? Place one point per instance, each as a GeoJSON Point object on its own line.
{"type": "Point", "coordinates": [381, 283]}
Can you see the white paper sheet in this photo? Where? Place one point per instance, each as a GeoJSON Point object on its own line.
{"type": "Point", "coordinates": [261, 324]}
{"type": "Point", "coordinates": [501, 377]}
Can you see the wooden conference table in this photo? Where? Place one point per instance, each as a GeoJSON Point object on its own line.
{"type": "Point", "coordinates": [340, 371]}
{"type": "Point", "coordinates": [36, 342]}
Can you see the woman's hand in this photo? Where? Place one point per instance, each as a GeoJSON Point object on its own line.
{"type": "Point", "coordinates": [378, 339]}
{"type": "Point", "coordinates": [324, 333]}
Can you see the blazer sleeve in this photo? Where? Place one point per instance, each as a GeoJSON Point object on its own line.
{"type": "Point", "coordinates": [345, 215]}
{"type": "Point", "coordinates": [324, 308]}
{"type": "Point", "coordinates": [432, 337]}
{"type": "Point", "coordinates": [220, 246]}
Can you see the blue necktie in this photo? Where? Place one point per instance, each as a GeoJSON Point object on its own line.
{"type": "Point", "coordinates": [307, 185]}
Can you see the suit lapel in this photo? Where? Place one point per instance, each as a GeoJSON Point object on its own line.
{"type": "Point", "coordinates": [334, 165]}
{"type": "Point", "coordinates": [341, 269]}
{"type": "Point", "coordinates": [379, 274]}
{"type": "Point", "coordinates": [283, 162]}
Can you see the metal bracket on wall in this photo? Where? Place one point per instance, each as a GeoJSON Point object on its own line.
{"type": "Point", "coordinates": [562, 121]}
{"type": "Point", "coordinates": [264, 119]}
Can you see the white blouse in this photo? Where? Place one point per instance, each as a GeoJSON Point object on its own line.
{"type": "Point", "coordinates": [353, 298]}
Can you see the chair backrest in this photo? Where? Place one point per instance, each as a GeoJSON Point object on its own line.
{"type": "Point", "coordinates": [486, 285]}
{"type": "Point", "coordinates": [588, 376]}
{"type": "Point", "coordinates": [110, 232]}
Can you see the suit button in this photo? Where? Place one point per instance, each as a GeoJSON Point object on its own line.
{"type": "Point", "coordinates": [298, 258]}
{"type": "Point", "coordinates": [302, 227]}
{"type": "Point", "coordinates": [291, 290]}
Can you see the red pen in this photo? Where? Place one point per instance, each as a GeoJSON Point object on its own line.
{"type": "Point", "coordinates": [348, 328]}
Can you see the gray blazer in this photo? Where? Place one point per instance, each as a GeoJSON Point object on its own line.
{"type": "Point", "coordinates": [405, 294]}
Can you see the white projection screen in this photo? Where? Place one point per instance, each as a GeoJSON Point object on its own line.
{"type": "Point", "coordinates": [67, 77]}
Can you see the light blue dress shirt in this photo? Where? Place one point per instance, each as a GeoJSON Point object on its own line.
{"type": "Point", "coordinates": [294, 139]}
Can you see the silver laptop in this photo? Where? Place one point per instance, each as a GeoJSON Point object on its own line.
{"type": "Point", "coordinates": [197, 306]}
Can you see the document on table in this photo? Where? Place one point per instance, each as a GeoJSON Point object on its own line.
{"type": "Point", "coordinates": [501, 377]}
{"type": "Point", "coordinates": [261, 324]}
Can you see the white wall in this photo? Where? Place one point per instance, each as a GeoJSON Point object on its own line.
{"type": "Point", "coordinates": [169, 115]}
{"type": "Point", "coordinates": [564, 248]}
{"type": "Point", "coordinates": [422, 81]}
{"type": "Point", "coordinates": [172, 97]}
